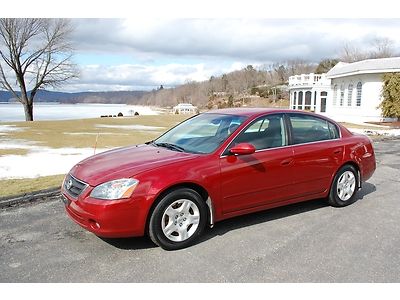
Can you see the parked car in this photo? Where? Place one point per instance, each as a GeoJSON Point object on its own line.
{"type": "Point", "coordinates": [213, 166]}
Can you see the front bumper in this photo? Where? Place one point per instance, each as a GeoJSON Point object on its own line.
{"type": "Point", "coordinates": [110, 219]}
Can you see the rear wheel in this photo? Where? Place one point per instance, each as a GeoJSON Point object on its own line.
{"type": "Point", "coordinates": [178, 219]}
{"type": "Point", "coordinates": [344, 187]}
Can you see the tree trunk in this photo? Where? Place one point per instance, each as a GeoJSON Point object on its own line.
{"type": "Point", "coordinates": [28, 108]}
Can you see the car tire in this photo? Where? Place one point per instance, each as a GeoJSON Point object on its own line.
{"type": "Point", "coordinates": [344, 187]}
{"type": "Point", "coordinates": [178, 219]}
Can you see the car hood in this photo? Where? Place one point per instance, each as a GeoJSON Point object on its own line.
{"type": "Point", "coordinates": [125, 162]}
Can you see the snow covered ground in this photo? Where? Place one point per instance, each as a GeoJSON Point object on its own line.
{"type": "Point", "coordinates": [10, 112]}
{"type": "Point", "coordinates": [131, 127]}
{"type": "Point", "coordinates": [40, 160]}
{"type": "Point", "coordinates": [376, 132]}
{"type": "Point", "coordinates": [5, 129]}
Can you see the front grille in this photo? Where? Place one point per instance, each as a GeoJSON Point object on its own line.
{"type": "Point", "coordinates": [73, 186]}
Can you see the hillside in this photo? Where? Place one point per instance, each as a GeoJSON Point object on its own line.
{"type": "Point", "coordinates": [82, 97]}
{"type": "Point", "coordinates": [266, 84]}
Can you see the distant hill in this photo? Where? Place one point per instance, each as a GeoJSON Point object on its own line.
{"type": "Point", "coordinates": [81, 97]}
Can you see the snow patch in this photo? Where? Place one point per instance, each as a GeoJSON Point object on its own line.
{"type": "Point", "coordinates": [19, 144]}
{"type": "Point", "coordinates": [131, 127]}
{"type": "Point", "coordinates": [43, 161]}
{"type": "Point", "coordinates": [379, 132]}
{"type": "Point", "coordinates": [4, 129]}
{"type": "Point", "coordinates": [94, 133]}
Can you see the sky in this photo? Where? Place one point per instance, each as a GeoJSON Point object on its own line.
{"type": "Point", "coordinates": [144, 53]}
{"type": "Point", "coordinates": [140, 45]}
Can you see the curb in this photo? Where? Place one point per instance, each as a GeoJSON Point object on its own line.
{"type": "Point", "coordinates": [31, 197]}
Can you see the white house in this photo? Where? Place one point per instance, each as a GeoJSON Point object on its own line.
{"type": "Point", "coordinates": [184, 108]}
{"type": "Point", "coordinates": [309, 92]}
{"type": "Point", "coordinates": [348, 92]}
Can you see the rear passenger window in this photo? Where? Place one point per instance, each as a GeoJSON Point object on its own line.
{"type": "Point", "coordinates": [334, 131]}
{"type": "Point", "coordinates": [307, 129]}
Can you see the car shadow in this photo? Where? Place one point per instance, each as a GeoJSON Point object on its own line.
{"type": "Point", "coordinates": [228, 225]}
{"type": "Point", "coordinates": [276, 213]}
{"type": "Point", "coordinates": [134, 243]}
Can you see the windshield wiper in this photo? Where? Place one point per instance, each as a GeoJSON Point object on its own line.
{"type": "Point", "coordinates": [151, 143]}
{"type": "Point", "coordinates": [170, 146]}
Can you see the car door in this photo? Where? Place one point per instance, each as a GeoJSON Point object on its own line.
{"type": "Point", "coordinates": [317, 153]}
{"type": "Point", "coordinates": [254, 180]}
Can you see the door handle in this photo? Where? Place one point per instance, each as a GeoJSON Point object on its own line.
{"type": "Point", "coordinates": [286, 162]}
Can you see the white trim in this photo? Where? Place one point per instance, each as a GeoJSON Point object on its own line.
{"type": "Point", "coordinates": [360, 72]}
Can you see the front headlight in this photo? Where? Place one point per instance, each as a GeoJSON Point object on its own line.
{"type": "Point", "coordinates": [115, 189]}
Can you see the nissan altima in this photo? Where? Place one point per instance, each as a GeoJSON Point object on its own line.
{"type": "Point", "coordinates": [213, 166]}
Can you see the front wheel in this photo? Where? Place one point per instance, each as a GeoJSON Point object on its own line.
{"type": "Point", "coordinates": [344, 187]}
{"type": "Point", "coordinates": [178, 219]}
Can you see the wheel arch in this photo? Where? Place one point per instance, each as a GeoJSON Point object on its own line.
{"type": "Point", "coordinates": [356, 166]}
{"type": "Point", "coordinates": [191, 185]}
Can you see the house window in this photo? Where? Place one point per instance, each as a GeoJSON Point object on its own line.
{"type": "Point", "coordinates": [323, 101]}
{"type": "Point", "coordinates": [350, 94]}
{"type": "Point", "coordinates": [323, 104]}
{"type": "Point", "coordinates": [315, 99]}
{"type": "Point", "coordinates": [300, 103]}
{"type": "Point", "coordinates": [294, 100]}
{"type": "Point", "coordinates": [334, 94]}
{"type": "Point", "coordinates": [307, 101]}
{"type": "Point", "coordinates": [341, 94]}
{"type": "Point", "coordinates": [359, 92]}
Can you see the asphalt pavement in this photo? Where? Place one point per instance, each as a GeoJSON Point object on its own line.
{"type": "Point", "coordinates": [305, 242]}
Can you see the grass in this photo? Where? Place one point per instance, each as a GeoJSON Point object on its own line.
{"type": "Point", "coordinates": [351, 125]}
{"type": "Point", "coordinates": [13, 187]}
{"type": "Point", "coordinates": [13, 152]}
{"type": "Point", "coordinates": [68, 133]}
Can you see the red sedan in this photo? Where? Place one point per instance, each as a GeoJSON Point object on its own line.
{"type": "Point", "coordinates": [214, 166]}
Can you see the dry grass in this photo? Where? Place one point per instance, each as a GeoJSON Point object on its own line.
{"type": "Point", "coordinates": [13, 152]}
{"type": "Point", "coordinates": [13, 187]}
{"type": "Point", "coordinates": [351, 125]}
{"type": "Point", "coordinates": [83, 133]}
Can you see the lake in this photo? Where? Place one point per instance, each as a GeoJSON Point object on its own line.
{"type": "Point", "coordinates": [11, 112]}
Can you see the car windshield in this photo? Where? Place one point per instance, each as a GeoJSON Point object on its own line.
{"type": "Point", "coordinates": [201, 134]}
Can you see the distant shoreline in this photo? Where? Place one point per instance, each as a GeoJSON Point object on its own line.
{"type": "Point", "coordinates": [44, 111]}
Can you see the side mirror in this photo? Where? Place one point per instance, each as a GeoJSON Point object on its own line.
{"type": "Point", "coordinates": [243, 149]}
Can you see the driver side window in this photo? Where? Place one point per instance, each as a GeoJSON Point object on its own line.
{"type": "Point", "coordinates": [264, 133]}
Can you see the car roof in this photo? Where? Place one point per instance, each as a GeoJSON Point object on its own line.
{"type": "Point", "coordinates": [253, 111]}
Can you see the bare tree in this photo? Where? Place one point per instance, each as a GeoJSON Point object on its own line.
{"type": "Point", "coordinates": [382, 47]}
{"type": "Point", "coordinates": [351, 53]}
{"type": "Point", "coordinates": [36, 54]}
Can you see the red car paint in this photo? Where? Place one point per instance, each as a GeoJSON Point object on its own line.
{"type": "Point", "coordinates": [233, 185]}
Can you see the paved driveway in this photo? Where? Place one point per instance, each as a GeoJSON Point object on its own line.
{"type": "Point", "coordinates": [299, 243]}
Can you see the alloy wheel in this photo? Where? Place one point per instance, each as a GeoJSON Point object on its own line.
{"type": "Point", "coordinates": [180, 220]}
{"type": "Point", "coordinates": [346, 185]}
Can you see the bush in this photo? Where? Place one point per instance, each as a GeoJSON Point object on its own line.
{"type": "Point", "coordinates": [120, 114]}
{"type": "Point", "coordinates": [390, 104]}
